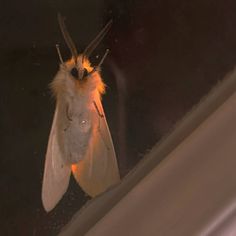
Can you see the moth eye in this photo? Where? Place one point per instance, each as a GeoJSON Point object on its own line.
{"type": "Point", "coordinates": [74, 72]}
{"type": "Point", "coordinates": [85, 72]}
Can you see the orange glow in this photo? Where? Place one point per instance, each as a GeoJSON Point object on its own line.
{"type": "Point", "coordinates": [77, 169]}
{"type": "Point", "coordinates": [73, 167]}
{"type": "Point", "coordinates": [86, 63]}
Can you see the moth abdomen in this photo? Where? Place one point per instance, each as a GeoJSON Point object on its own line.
{"type": "Point", "coordinates": [78, 135]}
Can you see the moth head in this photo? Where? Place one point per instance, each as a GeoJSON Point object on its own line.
{"type": "Point", "coordinates": [81, 68]}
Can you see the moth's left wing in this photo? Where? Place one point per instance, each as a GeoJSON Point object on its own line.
{"type": "Point", "coordinates": [98, 170]}
{"type": "Point", "coordinates": [56, 174]}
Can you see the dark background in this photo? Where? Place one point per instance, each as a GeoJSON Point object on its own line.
{"type": "Point", "coordinates": [165, 56]}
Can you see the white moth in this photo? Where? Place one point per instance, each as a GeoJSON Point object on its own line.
{"type": "Point", "coordinates": [80, 141]}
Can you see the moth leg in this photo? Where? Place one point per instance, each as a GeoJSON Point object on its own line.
{"type": "Point", "coordinates": [69, 117]}
{"type": "Point", "coordinates": [68, 114]}
{"type": "Point", "coordinates": [99, 113]}
{"type": "Point", "coordinates": [101, 116]}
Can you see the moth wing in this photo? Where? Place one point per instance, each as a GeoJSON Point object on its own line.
{"type": "Point", "coordinates": [56, 174]}
{"type": "Point", "coordinates": [98, 170]}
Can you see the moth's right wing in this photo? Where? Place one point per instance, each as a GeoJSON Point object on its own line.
{"type": "Point", "coordinates": [98, 171]}
{"type": "Point", "coordinates": [56, 174]}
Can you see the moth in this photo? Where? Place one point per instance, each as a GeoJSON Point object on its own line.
{"type": "Point", "coordinates": [80, 141]}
